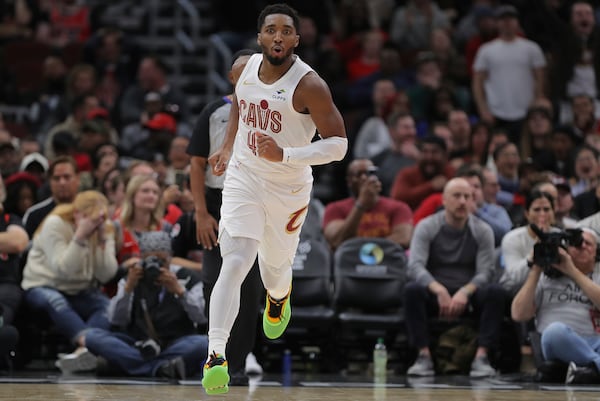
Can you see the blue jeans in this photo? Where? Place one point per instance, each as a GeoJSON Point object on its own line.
{"type": "Point", "coordinates": [119, 350]}
{"type": "Point", "coordinates": [71, 314]}
{"type": "Point", "coordinates": [560, 342]}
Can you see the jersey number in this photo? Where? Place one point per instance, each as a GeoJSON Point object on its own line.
{"type": "Point", "coordinates": [252, 143]}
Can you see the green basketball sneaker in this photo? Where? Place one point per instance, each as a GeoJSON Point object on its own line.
{"type": "Point", "coordinates": [216, 377]}
{"type": "Point", "coordinates": [276, 316]}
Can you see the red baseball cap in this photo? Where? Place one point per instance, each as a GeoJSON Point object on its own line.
{"type": "Point", "coordinates": [97, 112]}
{"type": "Point", "coordinates": [162, 122]}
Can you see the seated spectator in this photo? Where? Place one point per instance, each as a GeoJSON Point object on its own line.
{"type": "Point", "coordinates": [413, 184]}
{"type": "Point", "coordinates": [496, 216]}
{"type": "Point", "coordinates": [48, 107]}
{"type": "Point", "coordinates": [450, 268]}
{"type": "Point", "coordinates": [564, 203]}
{"type": "Point", "coordinates": [142, 212]}
{"type": "Point", "coordinates": [460, 135]}
{"type": "Point", "coordinates": [478, 142]}
{"type": "Point", "coordinates": [64, 144]}
{"type": "Point", "coordinates": [10, 155]}
{"type": "Point", "coordinates": [401, 152]}
{"type": "Point", "coordinates": [35, 164]}
{"type": "Point", "coordinates": [587, 203]}
{"type": "Point", "coordinates": [391, 68]}
{"type": "Point", "coordinates": [412, 23]}
{"type": "Point", "coordinates": [490, 186]}
{"type": "Point", "coordinates": [13, 241]}
{"type": "Point", "coordinates": [170, 195]}
{"type": "Point", "coordinates": [584, 119]}
{"type": "Point", "coordinates": [72, 251]}
{"type": "Point", "coordinates": [366, 213]}
{"type": "Point", "coordinates": [428, 80]}
{"type": "Point", "coordinates": [497, 138]}
{"type": "Point", "coordinates": [559, 159]}
{"type": "Point", "coordinates": [113, 187]}
{"type": "Point", "coordinates": [151, 77]}
{"type": "Point", "coordinates": [178, 162]}
{"type": "Point", "coordinates": [21, 191]}
{"type": "Point", "coordinates": [373, 135]}
{"type": "Point", "coordinates": [156, 312]}
{"type": "Point", "coordinates": [115, 57]}
{"type": "Point", "coordinates": [18, 20]}
{"type": "Point", "coordinates": [79, 108]}
{"type": "Point", "coordinates": [565, 309]}
{"type": "Point", "coordinates": [452, 62]}
{"type": "Point", "coordinates": [64, 184]}
{"type": "Point", "coordinates": [507, 160]}
{"type": "Point", "coordinates": [536, 132]}
{"type": "Point", "coordinates": [104, 158]}
{"type": "Point", "coordinates": [587, 170]}
{"type": "Point", "coordinates": [68, 22]}
{"type": "Point", "coordinates": [368, 59]}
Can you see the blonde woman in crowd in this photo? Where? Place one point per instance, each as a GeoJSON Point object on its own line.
{"type": "Point", "coordinates": [73, 252]}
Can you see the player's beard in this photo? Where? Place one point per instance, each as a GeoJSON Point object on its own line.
{"type": "Point", "coordinates": [279, 60]}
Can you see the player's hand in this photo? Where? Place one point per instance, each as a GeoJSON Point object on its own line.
{"type": "Point", "coordinates": [218, 161]}
{"type": "Point", "coordinates": [267, 148]}
{"type": "Point", "coordinates": [206, 230]}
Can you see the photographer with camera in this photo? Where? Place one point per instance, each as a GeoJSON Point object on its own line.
{"type": "Point", "coordinates": [157, 311]}
{"type": "Point", "coordinates": [517, 245]}
{"type": "Point", "coordinates": [564, 299]}
{"type": "Point", "coordinates": [366, 213]}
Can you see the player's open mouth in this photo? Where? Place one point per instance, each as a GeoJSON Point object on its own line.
{"type": "Point", "coordinates": [277, 49]}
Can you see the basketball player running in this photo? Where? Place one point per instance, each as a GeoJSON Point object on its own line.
{"type": "Point", "coordinates": [279, 103]}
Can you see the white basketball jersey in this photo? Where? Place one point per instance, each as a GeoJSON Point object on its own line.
{"type": "Point", "coordinates": [268, 109]}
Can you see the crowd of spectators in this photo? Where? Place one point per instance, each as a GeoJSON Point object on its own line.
{"type": "Point", "coordinates": [489, 110]}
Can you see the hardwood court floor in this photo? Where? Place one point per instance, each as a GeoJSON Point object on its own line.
{"type": "Point", "coordinates": [316, 389]}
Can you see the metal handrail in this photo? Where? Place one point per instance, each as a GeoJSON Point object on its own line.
{"type": "Point", "coordinates": [185, 40]}
{"type": "Point", "coordinates": [218, 51]}
{"type": "Point", "coordinates": [18, 113]}
{"type": "Point", "coordinates": [194, 17]}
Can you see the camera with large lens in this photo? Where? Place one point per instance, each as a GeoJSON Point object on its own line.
{"type": "Point", "coordinates": [545, 252]}
{"type": "Point", "coordinates": [151, 266]}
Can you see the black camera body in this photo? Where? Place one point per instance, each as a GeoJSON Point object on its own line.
{"type": "Point", "coordinates": [545, 252]}
{"type": "Point", "coordinates": [151, 266]}
{"type": "Point", "coordinates": [148, 348]}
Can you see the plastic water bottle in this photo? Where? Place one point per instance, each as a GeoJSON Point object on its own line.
{"type": "Point", "coordinates": [380, 360]}
{"type": "Point", "coordinates": [286, 367]}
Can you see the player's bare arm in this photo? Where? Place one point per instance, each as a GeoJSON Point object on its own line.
{"type": "Point", "coordinates": [313, 96]}
{"type": "Point", "coordinates": [218, 160]}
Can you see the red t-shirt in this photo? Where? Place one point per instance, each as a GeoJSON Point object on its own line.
{"type": "Point", "coordinates": [378, 222]}
{"type": "Point", "coordinates": [429, 206]}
